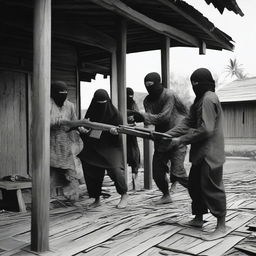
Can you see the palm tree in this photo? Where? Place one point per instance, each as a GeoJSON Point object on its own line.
{"type": "Point", "coordinates": [234, 69]}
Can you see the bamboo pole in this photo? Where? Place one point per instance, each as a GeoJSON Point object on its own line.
{"type": "Point", "coordinates": [41, 126]}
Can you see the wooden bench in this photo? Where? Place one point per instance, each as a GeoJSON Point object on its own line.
{"type": "Point", "coordinates": [12, 194]}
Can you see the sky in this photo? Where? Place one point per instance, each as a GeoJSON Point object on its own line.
{"type": "Point", "coordinates": [183, 61]}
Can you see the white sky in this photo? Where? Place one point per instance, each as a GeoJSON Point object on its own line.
{"type": "Point", "coordinates": [183, 61]}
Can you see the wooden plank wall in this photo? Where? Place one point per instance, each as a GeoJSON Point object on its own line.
{"type": "Point", "coordinates": [13, 131]}
{"type": "Point", "coordinates": [240, 120]}
{"type": "Point", "coordinates": [15, 66]}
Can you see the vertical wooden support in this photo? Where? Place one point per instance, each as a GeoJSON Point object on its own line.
{"type": "Point", "coordinates": [202, 48]}
{"type": "Point", "coordinates": [41, 126]}
{"type": "Point", "coordinates": [165, 62]}
{"type": "Point", "coordinates": [78, 95]}
{"type": "Point", "coordinates": [121, 79]}
{"type": "Point", "coordinates": [148, 153]}
{"type": "Point", "coordinates": [113, 79]}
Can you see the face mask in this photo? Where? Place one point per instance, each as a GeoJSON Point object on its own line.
{"type": "Point", "coordinates": [59, 98]}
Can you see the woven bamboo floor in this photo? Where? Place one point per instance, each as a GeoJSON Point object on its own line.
{"type": "Point", "coordinates": [142, 228]}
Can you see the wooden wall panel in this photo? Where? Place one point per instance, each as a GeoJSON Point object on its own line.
{"type": "Point", "coordinates": [240, 120]}
{"type": "Point", "coordinates": [13, 131]}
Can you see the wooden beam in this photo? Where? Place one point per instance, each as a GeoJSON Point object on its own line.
{"type": "Point", "coordinates": [121, 80]}
{"type": "Point", "coordinates": [41, 126]}
{"type": "Point", "coordinates": [113, 80]}
{"type": "Point", "coordinates": [124, 10]}
{"type": "Point", "coordinates": [196, 22]}
{"type": "Point", "coordinates": [202, 48]}
{"type": "Point", "coordinates": [165, 62]}
{"type": "Point", "coordinates": [85, 35]}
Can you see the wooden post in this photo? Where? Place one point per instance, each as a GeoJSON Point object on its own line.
{"type": "Point", "coordinates": [113, 80]}
{"type": "Point", "coordinates": [78, 95]}
{"type": "Point", "coordinates": [121, 79]}
{"type": "Point", "coordinates": [165, 62]}
{"type": "Point", "coordinates": [148, 153]}
{"type": "Point", "coordinates": [41, 126]}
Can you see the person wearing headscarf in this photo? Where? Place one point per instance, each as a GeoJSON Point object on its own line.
{"type": "Point", "coordinates": [164, 110]}
{"type": "Point", "coordinates": [103, 150]}
{"type": "Point", "coordinates": [62, 158]}
{"type": "Point", "coordinates": [133, 152]}
{"type": "Point", "coordinates": [203, 130]}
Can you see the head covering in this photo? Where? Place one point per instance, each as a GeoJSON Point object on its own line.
{"type": "Point", "coordinates": [202, 81]}
{"type": "Point", "coordinates": [101, 108]}
{"type": "Point", "coordinates": [129, 95]}
{"type": "Point", "coordinates": [59, 92]}
{"type": "Point", "coordinates": [153, 85]}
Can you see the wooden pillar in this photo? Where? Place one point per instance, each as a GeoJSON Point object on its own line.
{"type": "Point", "coordinates": [148, 160]}
{"type": "Point", "coordinates": [165, 62]}
{"type": "Point", "coordinates": [113, 79]}
{"type": "Point", "coordinates": [121, 79]}
{"type": "Point", "coordinates": [41, 126]}
{"type": "Point", "coordinates": [78, 95]}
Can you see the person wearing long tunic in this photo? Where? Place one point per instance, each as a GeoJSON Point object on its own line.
{"type": "Point", "coordinates": [62, 159]}
{"type": "Point", "coordinates": [103, 150]}
{"type": "Point", "coordinates": [203, 130]}
{"type": "Point", "coordinates": [133, 152]}
{"type": "Point", "coordinates": [164, 110]}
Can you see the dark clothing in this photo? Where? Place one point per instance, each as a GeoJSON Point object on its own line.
{"type": "Point", "coordinates": [103, 151]}
{"type": "Point", "coordinates": [133, 152]}
{"type": "Point", "coordinates": [206, 190]}
{"type": "Point", "coordinates": [165, 113]}
{"type": "Point", "coordinates": [94, 177]}
{"type": "Point", "coordinates": [161, 167]}
{"type": "Point", "coordinates": [203, 130]}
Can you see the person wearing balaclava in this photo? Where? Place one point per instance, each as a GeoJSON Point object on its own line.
{"type": "Point", "coordinates": [203, 130]}
{"type": "Point", "coordinates": [103, 150]}
{"type": "Point", "coordinates": [164, 110]}
{"type": "Point", "coordinates": [133, 152]}
{"type": "Point", "coordinates": [63, 171]}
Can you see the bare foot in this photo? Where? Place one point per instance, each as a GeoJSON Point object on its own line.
{"type": "Point", "coordinates": [95, 204]}
{"type": "Point", "coordinates": [123, 202]}
{"type": "Point", "coordinates": [173, 187]}
{"type": "Point", "coordinates": [216, 234]}
{"type": "Point", "coordinates": [195, 223]}
{"type": "Point", "coordinates": [166, 199]}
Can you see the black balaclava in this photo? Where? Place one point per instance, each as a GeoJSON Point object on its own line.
{"type": "Point", "coordinates": [202, 81]}
{"type": "Point", "coordinates": [129, 95]}
{"type": "Point", "coordinates": [101, 108]}
{"type": "Point", "coordinates": [59, 92]}
{"type": "Point", "coordinates": [153, 85]}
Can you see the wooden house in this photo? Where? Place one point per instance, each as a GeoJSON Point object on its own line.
{"type": "Point", "coordinates": [238, 100]}
{"type": "Point", "coordinates": [73, 40]}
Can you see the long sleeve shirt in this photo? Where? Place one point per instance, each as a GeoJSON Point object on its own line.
{"type": "Point", "coordinates": [203, 130]}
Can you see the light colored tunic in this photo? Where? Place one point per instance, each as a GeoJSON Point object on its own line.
{"type": "Point", "coordinates": [61, 155]}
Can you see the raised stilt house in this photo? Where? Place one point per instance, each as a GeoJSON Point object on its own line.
{"type": "Point", "coordinates": [73, 40]}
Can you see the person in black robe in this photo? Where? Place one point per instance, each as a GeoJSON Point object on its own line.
{"type": "Point", "coordinates": [203, 130]}
{"type": "Point", "coordinates": [133, 152]}
{"type": "Point", "coordinates": [103, 150]}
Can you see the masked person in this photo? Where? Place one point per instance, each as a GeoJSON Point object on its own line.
{"type": "Point", "coordinates": [203, 130]}
{"type": "Point", "coordinates": [62, 159]}
{"type": "Point", "coordinates": [133, 152]}
{"type": "Point", "coordinates": [164, 110]}
{"type": "Point", "coordinates": [103, 150]}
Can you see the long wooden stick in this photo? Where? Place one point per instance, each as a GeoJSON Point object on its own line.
{"type": "Point", "coordinates": [124, 129]}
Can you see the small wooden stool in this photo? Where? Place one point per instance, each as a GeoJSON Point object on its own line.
{"type": "Point", "coordinates": [12, 195]}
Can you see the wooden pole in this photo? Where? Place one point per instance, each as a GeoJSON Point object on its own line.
{"type": "Point", "coordinates": [165, 62]}
{"type": "Point", "coordinates": [121, 79]}
{"type": "Point", "coordinates": [148, 159]}
{"type": "Point", "coordinates": [41, 126]}
{"type": "Point", "coordinates": [113, 79]}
